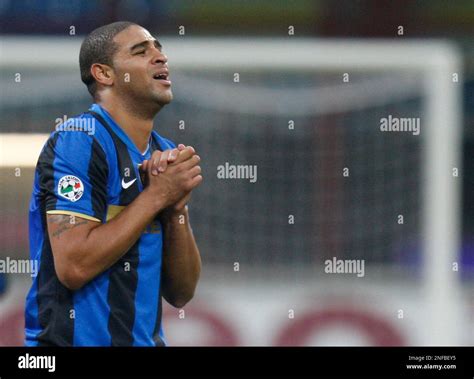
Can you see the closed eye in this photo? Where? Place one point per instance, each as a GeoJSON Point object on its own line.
{"type": "Point", "coordinates": [143, 47]}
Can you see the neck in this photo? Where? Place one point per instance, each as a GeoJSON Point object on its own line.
{"type": "Point", "coordinates": [135, 123]}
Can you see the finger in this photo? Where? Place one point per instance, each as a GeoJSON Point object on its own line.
{"type": "Point", "coordinates": [196, 170]}
{"type": "Point", "coordinates": [163, 162]}
{"type": "Point", "coordinates": [150, 166]}
{"type": "Point", "coordinates": [185, 154]}
{"type": "Point", "coordinates": [196, 181]}
{"type": "Point", "coordinates": [154, 161]}
{"type": "Point", "coordinates": [181, 147]}
{"type": "Point", "coordinates": [191, 162]}
{"type": "Point", "coordinates": [173, 155]}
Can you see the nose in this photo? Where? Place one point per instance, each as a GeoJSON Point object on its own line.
{"type": "Point", "coordinates": [160, 57]}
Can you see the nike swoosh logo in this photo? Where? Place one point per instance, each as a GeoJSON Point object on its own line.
{"type": "Point", "coordinates": [127, 184]}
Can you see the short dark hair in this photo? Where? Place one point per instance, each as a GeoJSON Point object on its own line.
{"type": "Point", "coordinates": [99, 47]}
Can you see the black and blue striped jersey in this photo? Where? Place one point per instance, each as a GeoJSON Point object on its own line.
{"type": "Point", "coordinates": [94, 175]}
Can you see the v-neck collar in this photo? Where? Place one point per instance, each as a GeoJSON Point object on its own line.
{"type": "Point", "coordinates": [118, 130]}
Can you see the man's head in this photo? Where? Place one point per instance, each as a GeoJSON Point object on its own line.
{"type": "Point", "coordinates": [124, 60]}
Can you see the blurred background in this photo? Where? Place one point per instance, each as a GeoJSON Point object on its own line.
{"type": "Point", "coordinates": [314, 79]}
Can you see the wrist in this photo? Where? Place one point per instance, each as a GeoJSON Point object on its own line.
{"type": "Point", "coordinates": [155, 202]}
{"type": "Point", "coordinates": [173, 211]}
{"type": "Point", "coordinates": [178, 210]}
{"type": "Point", "coordinates": [172, 214]}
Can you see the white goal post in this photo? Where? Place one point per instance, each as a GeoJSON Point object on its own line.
{"type": "Point", "coordinates": [437, 62]}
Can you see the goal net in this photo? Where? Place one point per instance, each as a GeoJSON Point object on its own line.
{"type": "Point", "coordinates": [312, 152]}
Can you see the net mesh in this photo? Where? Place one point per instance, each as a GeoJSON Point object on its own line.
{"type": "Point", "coordinates": [305, 207]}
{"type": "Point", "coordinates": [302, 130]}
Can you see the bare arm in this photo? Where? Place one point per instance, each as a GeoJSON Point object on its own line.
{"type": "Point", "coordinates": [84, 249]}
{"type": "Point", "coordinates": [181, 260]}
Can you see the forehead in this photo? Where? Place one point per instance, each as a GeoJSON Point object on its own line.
{"type": "Point", "coordinates": [132, 35]}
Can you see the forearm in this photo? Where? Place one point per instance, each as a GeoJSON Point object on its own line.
{"type": "Point", "coordinates": [91, 248]}
{"type": "Point", "coordinates": [107, 243]}
{"type": "Point", "coordinates": [181, 260]}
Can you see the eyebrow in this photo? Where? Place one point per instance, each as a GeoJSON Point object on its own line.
{"type": "Point", "coordinates": [145, 43]}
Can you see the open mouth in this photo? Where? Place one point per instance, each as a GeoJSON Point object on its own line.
{"type": "Point", "coordinates": [163, 78]}
{"type": "Point", "coordinates": [160, 76]}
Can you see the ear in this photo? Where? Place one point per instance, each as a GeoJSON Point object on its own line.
{"type": "Point", "coordinates": [103, 74]}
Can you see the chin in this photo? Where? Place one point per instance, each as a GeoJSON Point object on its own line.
{"type": "Point", "coordinates": [164, 98]}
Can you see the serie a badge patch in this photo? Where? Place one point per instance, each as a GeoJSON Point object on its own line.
{"type": "Point", "coordinates": [70, 187]}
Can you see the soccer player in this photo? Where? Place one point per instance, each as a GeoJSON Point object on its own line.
{"type": "Point", "coordinates": [108, 217]}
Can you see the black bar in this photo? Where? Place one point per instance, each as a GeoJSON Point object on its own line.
{"type": "Point", "coordinates": [231, 361]}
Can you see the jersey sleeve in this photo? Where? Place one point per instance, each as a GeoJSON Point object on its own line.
{"type": "Point", "coordinates": [75, 172]}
